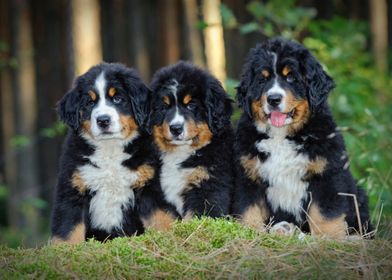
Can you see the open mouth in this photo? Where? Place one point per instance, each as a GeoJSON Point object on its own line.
{"type": "Point", "coordinates": [179, 141]}
{"type": "Point", "coordinates": [278, 119]}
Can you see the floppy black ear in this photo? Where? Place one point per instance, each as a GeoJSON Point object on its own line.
{"type": "Point", "coordinates": [68, 109]}
{"type": "Point", "coordinates": [140, 97]}
{"type": "Point", "coordinates": [319, 83]}
{"type": "Point", "coordinates": [244, 100]}
{"type": "Point", "coordinates": [218, 106]}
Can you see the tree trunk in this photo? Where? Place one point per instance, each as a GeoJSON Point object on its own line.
{"type": "Point", "coordinates": [379, 28]}
{"type": "Point", "coordinates": [213, 38]}
{"type": "Point", "coordinates": [86, 34]}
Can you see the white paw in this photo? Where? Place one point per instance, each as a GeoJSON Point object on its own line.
{"type": "Point", "coordinates": [283, 228]}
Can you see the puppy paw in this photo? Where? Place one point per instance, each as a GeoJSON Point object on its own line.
{"type": "Point", "coordinates": [283, 228]}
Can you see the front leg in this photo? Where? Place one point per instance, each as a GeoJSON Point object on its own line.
{"type": "Point", "coordinates": [68, 225]}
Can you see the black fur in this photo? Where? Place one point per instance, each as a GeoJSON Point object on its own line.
{"type": "Point", "coordinates": [211, 105]}
{"type": "Point", "coordinates": [72, 207]}
{"type": "Point", "coordinates": [318, 138]}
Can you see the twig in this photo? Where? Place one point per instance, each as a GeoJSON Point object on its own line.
{"type": "Point", "coordinates": [356, 210]}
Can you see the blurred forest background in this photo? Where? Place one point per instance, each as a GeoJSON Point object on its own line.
{"type": "Point", "coordinates": [44, 44]}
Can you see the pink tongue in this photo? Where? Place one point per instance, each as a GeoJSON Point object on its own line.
{"type": "Point", "coordinates": [277, 118]}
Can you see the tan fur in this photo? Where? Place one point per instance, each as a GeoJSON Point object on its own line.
{"type": "Point", "coordinates": [301, 114]}
{"type": "Point", "coordinates": [166, 100]}
{"type": "Point", "coordinates": [286, 70]}
{"type": "Point", "coordinates": [93, 95]}
{"type": "Point", "coordinates": [258, 111]}
{"type": "Point", "coordinates": [159, 220]}
{"type": "Point", "coordinates": [77, 235]}
{"type": "Point", "coordinates": [86, 127]}
{"type": "Point", "coordinates": [188, 215]}
{"type": "Point", "coordinates": [187, 99]}
{"type": "Point", "coordinates": [77, 182]}
{"type": "Point", "coordinates": [198, 175]}
{"type": "Point", "coordinates": [322, 226]}
{"type": "Point", "coordinates": [129, 125]}
{"type": "Point", "coordinates": [146, 173]}
{"type": "Point", "coordinates": [256, 216]}
{"type": "Point", "coordinates": [317, 166]}
{"type": "Point", "coordinates": [112, 92]}
{"type": "Point", "coordinates": [249, 164]}
{"type": "Point", "coordinates": [265, 73]}
{"type": "Point", "coordinates": [201, 135]}
{"type": "Point", "coordinates": [161, 135]}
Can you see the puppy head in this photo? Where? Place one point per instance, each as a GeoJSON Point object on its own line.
{"type": "Point", "coordinates": [189, 106]}
{"type": "Point", "coordinates": [109, 101]}
{"type": "Point", "coordinates": [282, 84]}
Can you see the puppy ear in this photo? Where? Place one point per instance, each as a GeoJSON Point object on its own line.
{"type": "Point", "coordinates": [218, 106]}
{"type": "Point", "coordinates": [319, 83]}
{"type": "Point", "coordinates": [68, 109]}
{"type": "Point", "coordinates": [242, 90]}
{"type": "Point", "coordinates": [140, 97]}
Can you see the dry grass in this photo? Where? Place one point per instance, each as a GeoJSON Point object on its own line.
{"type": "Point", "coordinates": [204, 249]}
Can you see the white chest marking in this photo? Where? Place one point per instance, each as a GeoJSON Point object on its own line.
{"type": "Point", "coordinates": [174, 177]}
{"type": "Point", "coordinates": [111, 182]}
{"type": "Point", "coordinates": [284, 170]}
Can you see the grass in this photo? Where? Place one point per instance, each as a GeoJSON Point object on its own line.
{"type": "Point", "coordinates": [202, 249]}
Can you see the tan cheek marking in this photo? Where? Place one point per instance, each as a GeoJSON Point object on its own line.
{"type": "Point", "coordinates": [258, 111]}
{"type": "Point", "coordinates": [249, 164]}
{"type": "Point", "coordinates": [286, 70]}
{"type": "Point", "coordinates": [198, 175]}
{"type": "Point", "coordinates": [255, 216]}
{"type": "Point", "coordinates": [166, 100]}
{"type": "Point", "coordinates": [301, 115]}
{"type": "Point", "coordinates": [86, 127]}
{"type": "Point", "coordinates": [159, 220]}
{"type": "Point", "coordinates": [187, 99]}
{"type": "Point", "coordinates": [112, 92]}
{"type": "Point", "coordinates": [93, 95]}
{"type": "Point", "coordinates": [78, 183]}
{"type": "Point", "coordinates": [160, 135]}
{"type": "Point", "coordinates": [322, 226]}
{"type": "Point", "coordinates": [202, 134]}
{"type": "Point", "coordinates": [265, 73]}
{"type": "Point", "coordinates": [145, 173]}
{"type": "Point", "coordinates": [129, 125]}
{"type": "Point", "coordinates": [77, 235]}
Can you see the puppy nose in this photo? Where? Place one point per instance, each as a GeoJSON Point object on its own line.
{"type": "Point", "coordinates": [274, 99]}
{"type": "Point", "coordinates": [103, 121]}
{"type": "Point", "coordinates": [176, 129]}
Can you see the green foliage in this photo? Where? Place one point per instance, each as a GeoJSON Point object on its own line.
{"type": "Point", "coordinates": [202, 249]}
{"type": "Point", "coordinates": [57, 129]}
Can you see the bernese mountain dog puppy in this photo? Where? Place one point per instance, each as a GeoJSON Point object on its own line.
{"type": "Point", "coordinates": [190, 123]}
{"type": "Point", "coordinates": [108, 180]}
{"type": "Point", "coordinates": [292, 165]}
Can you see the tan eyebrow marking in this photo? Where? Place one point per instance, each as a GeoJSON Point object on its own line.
{"type": "Point", "coordinates": [286, 70]}
{"type": "Point", "coordinates": [265, 73]}
{"type": "Point", "coordinates": [187, 99]}
{"type": "Point", "coordinates": [112, 92]}
{"type": "Point", "coordinates": [166, 100]}
{"type": "Point", "coordinates": [93, 95]}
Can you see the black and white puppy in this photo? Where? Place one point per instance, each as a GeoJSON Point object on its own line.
{"type": "Point", "coordinates": [190, 122]}
{"type": "Point", "coordinates": [107, 184]}
{"type": "Point", "coordinates": [291, 159]}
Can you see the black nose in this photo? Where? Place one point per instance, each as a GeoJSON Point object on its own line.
{"type": "Point", "coordinates": [176, 129]}
{"type": "Point", "coordinates": [103, 121]}
{"type": "Point", "coordinates": [274, 99]}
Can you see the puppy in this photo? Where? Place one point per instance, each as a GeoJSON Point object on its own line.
{"type": "Point", "coordinates": [292, 164]}
{"type": "Point", "coordinates": [190, 123]}
{"type": "Point", "coordinates": [107, 184]}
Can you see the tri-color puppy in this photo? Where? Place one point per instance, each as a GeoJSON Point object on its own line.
{"type": "Point", "coordinates": [107, 184]}
{"type": "Point", "coordinates": [190, 123]}
{"type": "Point", "coordinates": [292, 162]}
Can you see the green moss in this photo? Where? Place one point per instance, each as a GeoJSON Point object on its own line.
{"type": "Point", "coordinates": [202, 248]}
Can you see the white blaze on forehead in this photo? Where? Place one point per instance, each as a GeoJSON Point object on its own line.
{"type": "Point", "coordinates": [100, 85]}
{"type": "Point", "coordinates": [173, 86]}
{"type": "Point", "coordinates": [178, 118]}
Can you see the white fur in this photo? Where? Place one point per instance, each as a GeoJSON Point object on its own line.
{"type": "Point", "coordinates": [283, 169]}
{"type": "Point", "coordinates": [174, 177]}
{"type": "Point", "coordinates": [111, 182]}
{"type": "Point", "coordinates": [103, 108]}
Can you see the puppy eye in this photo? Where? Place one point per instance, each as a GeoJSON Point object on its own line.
{"type": "Point", "coordinates": [290, 78]}
{"type": "Point", "coordinates": [91, 103]}
{"type": "Point", "coordinates": [117, 99]}
{"type": "Point", "coordinates": [191, 106]}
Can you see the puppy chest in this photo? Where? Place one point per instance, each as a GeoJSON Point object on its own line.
{"type": "Point", "coordinates": [174, 179]}
{"type": "Point", "coordinates": [284, 170]}
{"type": "Point", "coordinates": [109, 183]}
